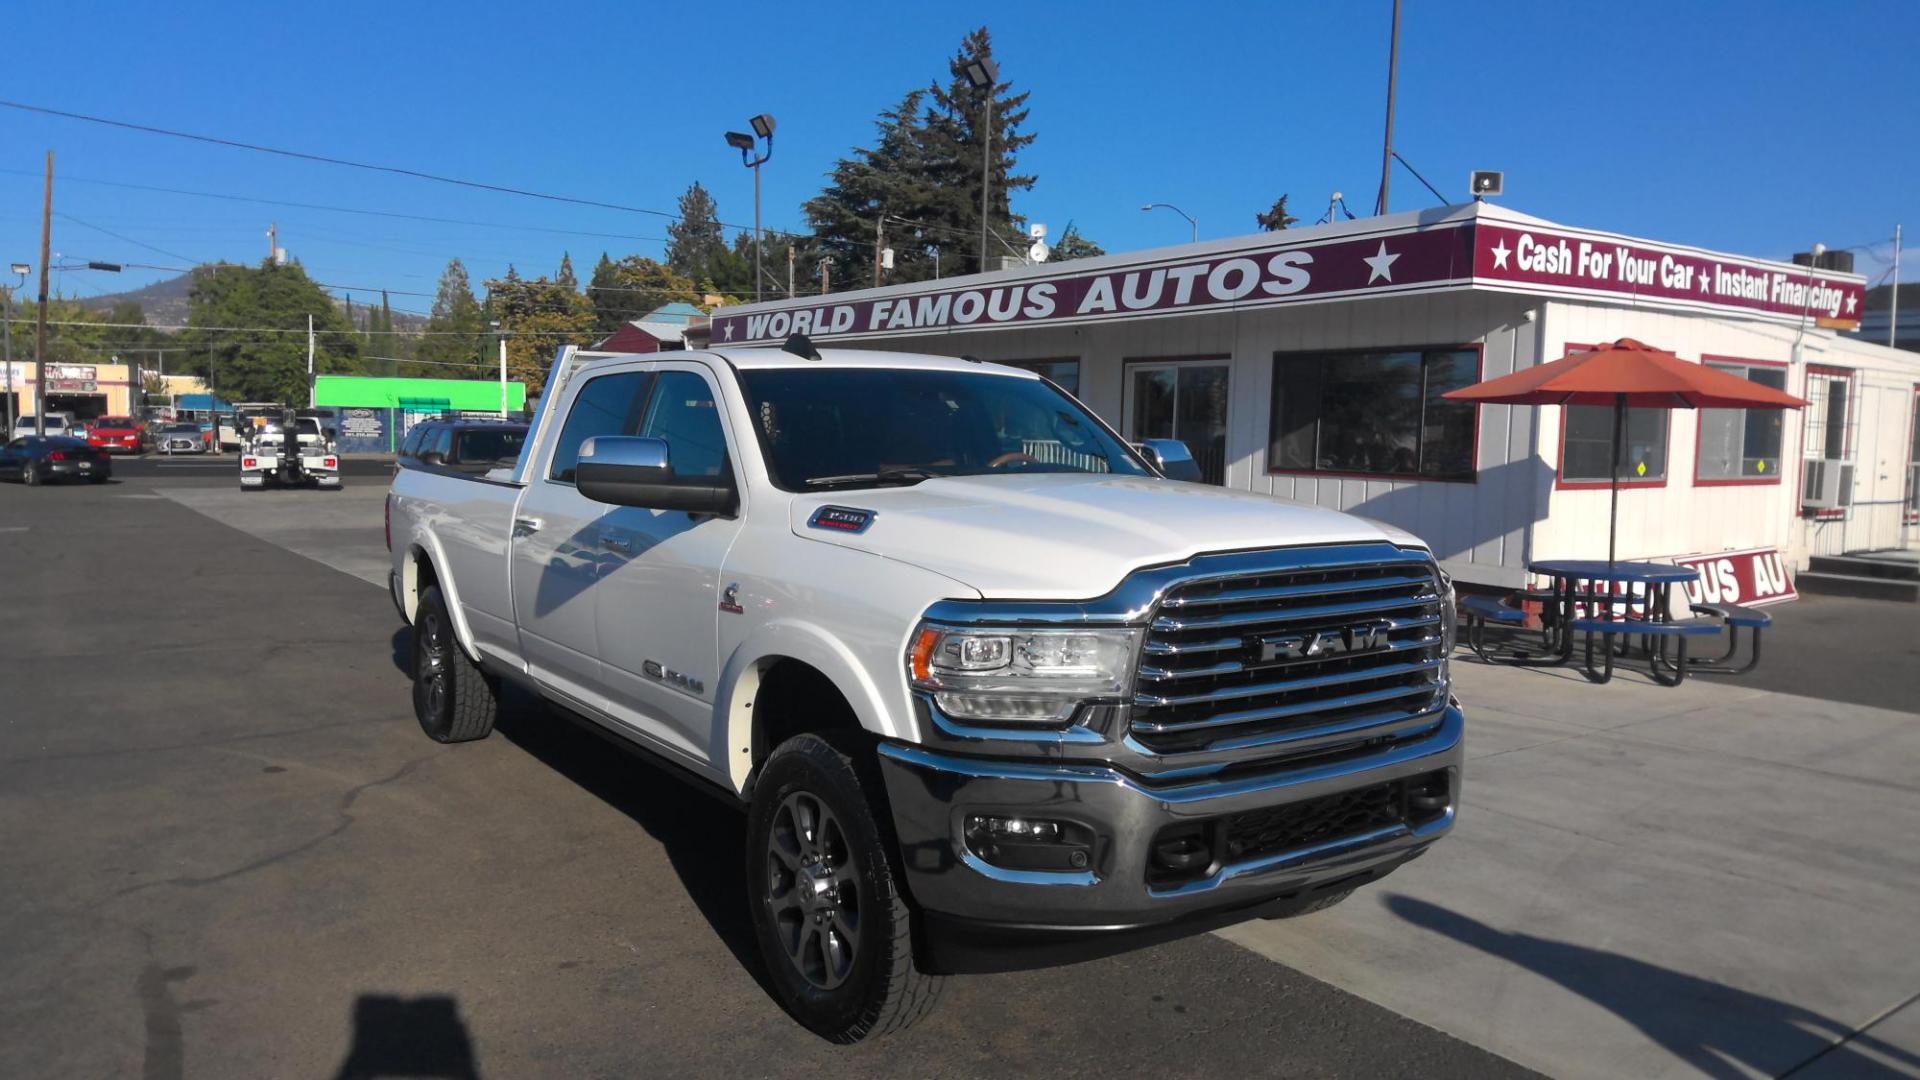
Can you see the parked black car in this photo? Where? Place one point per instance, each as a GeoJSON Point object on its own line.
{"type": "Point", "coordinates": [39, 459]}
{"type": "Point", "coordinates": [468, 446]}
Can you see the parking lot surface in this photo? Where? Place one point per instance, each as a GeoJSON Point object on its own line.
{"type": "Point", "coordinates": [229, 852]}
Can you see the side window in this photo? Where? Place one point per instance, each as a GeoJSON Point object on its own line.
{"type": "Point", "coordinates": [683, 413]}
{"type": "Point", "coordinates": [604, 406]}
{"type": "Point", "coordinates": [410, 446]}
{"type": "Point", "coordinates": [442, 443]}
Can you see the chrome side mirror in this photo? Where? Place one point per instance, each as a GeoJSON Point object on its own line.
{"type": "Point", "coordinates": [634, 470]}
{"type": "Point", "coordinates": [1171, 458]}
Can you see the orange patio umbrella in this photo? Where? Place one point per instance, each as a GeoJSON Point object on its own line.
{"type": "Point", "coordinates": [1625, 374]}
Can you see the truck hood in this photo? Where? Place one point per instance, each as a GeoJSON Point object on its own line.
{"type": "Point", "coordinates": [1071, 536]}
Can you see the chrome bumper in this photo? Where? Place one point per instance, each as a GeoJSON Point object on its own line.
{"type": "Point", "coordinates": [932, 794]}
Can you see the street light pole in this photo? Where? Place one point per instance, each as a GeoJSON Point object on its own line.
{"type": "Point", "coordinates": [982, 73]}
{"type": "Point", "coordinates": [40, 316]}
{"type": "Point", "coordinates": [763, 126]}
{"type": "Point", "coordinates": [1169, 206]}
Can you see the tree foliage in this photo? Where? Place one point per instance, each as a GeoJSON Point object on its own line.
{"type": "Point", "coordinates": [456, 331]}
{"type": "Point", "coordinates": [1276, 218]}
{"type": "Point", "coordinates": [1073, 244]}
{"type": "Point", "coordinates": [538, 317]}
{"type": "Point", "coordinates": [696, 243]}
{"type": "Point", "coordinates": [257, 363]}
{"type": "Point", "coordinates": [622, 291]}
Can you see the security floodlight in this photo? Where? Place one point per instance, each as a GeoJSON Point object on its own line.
{"type": "Point", "coordinates": [740, 141]}
{"type": "Point", "coordinates": [763, 125]}
{"type": "Point", "coordinates": [1487, 182]}
{"type": "Point", "coordinates": [22, 268]}
{"type": "Point", "coordinates": [981, 72]}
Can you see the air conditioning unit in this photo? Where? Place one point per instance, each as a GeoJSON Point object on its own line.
{"type": "Point", "coordinates": [1826, 484]}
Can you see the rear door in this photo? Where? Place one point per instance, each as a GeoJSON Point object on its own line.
{"type": "Point", "coordinates": [659, 596]}
{"type": "Point", "coordinates": [556, 554]}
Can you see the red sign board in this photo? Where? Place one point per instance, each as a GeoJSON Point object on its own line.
{"type": "Point", "coordinates": [1597, 264]}
{"type": "Point", "coordinates": [1750, 578]}
{"type": "Point", "coordinates": [1275, 271]}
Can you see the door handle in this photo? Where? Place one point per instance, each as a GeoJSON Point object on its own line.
{"type": "Point", "coordinates": [615, 543]}
{"type": "Point", "coordinates": [526, 526]}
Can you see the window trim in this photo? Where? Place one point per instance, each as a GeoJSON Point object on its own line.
{"type": "Point", "coordinates": [1700, 427]}
{"type": "Point", "coordinates": [729, 443]}
{"type": "Point", "coordinates": [1479, 350]}
{"type": "Point", "coordinates": [1560, 481]}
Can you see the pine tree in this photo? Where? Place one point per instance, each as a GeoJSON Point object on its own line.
{"type": "Point", "coordinates": [1276, 218]}
{"type": "Point", "coordinates": [456, 325]}
{"type": "Point", "coordinates": [696, 242]}
{"type": "Point", "coordinates": [895, 180]}
{"type": "Point", "coordinates": [565, 278]}
{"type": "Point", "coordinates": [956, 130]}
{"type": "Point", "coordinates": [1072, 244]}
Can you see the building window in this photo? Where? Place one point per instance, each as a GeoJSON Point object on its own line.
{"type": "Point", "coordinates": [1829, 413]}
{"type": "Point", "coordinates": [1375, 412]}
{"type": "Point", "coordinates": [1586, 449]}
{"type": "Point", "coordinates": [1743, 444]}
{"type": "Point", "coordinates": [1064, 373]}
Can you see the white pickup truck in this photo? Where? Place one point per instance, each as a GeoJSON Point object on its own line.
{"type": "Point", "coordinates": [993, 691]}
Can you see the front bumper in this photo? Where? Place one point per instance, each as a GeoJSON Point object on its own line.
{"type": "Point", "coordinates": [932, 794]}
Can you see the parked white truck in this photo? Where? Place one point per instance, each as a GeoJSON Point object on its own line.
{"type": "Point", "coordinates": [993, 692]}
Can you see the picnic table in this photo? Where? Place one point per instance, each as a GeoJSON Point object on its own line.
{"type": "Point", "coordinates": [1614, 605]}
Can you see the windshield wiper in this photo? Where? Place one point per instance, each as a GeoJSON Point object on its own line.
{"type": "Point", "coordinates": [884, 476]}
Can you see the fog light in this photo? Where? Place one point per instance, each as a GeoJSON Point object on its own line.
{"type": "Point", "coordinates": [1029, 843]}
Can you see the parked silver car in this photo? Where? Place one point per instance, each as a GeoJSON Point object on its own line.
{"type": "Point", "coordinates": [180, 439]}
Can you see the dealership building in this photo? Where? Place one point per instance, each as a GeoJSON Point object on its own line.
{"type": "Point", "coordinates": [1310, 364]}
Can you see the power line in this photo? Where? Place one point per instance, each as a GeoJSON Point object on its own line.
{"type": "Point", "coordinates": [326, 159]}
{"type": "Point", "coordinates": [128, 239]}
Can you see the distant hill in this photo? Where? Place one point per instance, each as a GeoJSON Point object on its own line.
{"type": "Point", "coordinates": [165, 304]}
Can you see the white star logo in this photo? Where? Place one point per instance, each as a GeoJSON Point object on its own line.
{"type": "Point", "coordinates": [729, 333]}
{"type": "Point", "coordinates": [1380, 264]}
{"type": "Point", "coordinates": [1706, 278]}
{"type": "Point", "coordinates": [1500, 253]}
{"type": "Point", "coordinates": [1852, 302]}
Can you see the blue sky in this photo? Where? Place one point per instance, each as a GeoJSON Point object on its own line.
{"type": "Point", "coordinates": [1753, 127]}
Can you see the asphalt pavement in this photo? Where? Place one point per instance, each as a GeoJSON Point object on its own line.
{"type": "Point", "coordinates": [228, 851]}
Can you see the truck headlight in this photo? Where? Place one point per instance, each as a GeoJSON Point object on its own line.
{"type": "Point", "coordinates": [1019, 675]}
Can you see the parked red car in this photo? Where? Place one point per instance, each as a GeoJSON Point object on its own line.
{"type": "Point", "coordinates": [120, 435]}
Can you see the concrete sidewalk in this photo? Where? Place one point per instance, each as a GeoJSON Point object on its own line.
{"type": "Point", "coordinates": [1654, 882]}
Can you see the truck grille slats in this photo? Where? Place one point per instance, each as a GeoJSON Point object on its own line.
{"type": "Point", "coordinates": [1336, 651]}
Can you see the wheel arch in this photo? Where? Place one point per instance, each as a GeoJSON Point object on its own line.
{"type": "Point", "coordinates": [768, 677]}
{"type": "Point", "coordinates": [423, 567]}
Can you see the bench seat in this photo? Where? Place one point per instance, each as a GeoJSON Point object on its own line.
{"type": "Point", "coordinates": [1677, 628]}
{"type": "Point", "coordinates": [1736, 615]}
{"type": "Point", "coordinates": [1491, 609]}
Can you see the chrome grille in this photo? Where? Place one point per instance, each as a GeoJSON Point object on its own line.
{"type": "Point", "coordinates": [1293, 660]}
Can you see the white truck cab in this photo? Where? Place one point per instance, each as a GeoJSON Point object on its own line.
{"type": "Point", "coordinates": [993, 691]}
{"type": "Point", "coordinates": [265, 462]}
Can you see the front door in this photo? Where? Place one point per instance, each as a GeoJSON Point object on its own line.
{"type": "Point", "coordinates": [557, 555]}
{"type": "Point", "coordinates": [659, 599]}
{"type": "Point", "coordinates": [1185, 400]}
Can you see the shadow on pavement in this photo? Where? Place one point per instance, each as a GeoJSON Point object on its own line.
{"type": "Point", "coordinates": [1722, 1031]}
{"type": "Point", "coordinates": [397, 1036]}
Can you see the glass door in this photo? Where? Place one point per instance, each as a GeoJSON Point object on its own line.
{"type": "Point", "coordinates": [1185, 400]}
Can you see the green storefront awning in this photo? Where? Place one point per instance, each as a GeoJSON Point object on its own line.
{"type": "Point", "coordinates": [371, 392]}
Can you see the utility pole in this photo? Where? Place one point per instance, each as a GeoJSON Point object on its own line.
{"type": "Point", "coordinates": [1393, 75]}
{"type": "Point", "coordinates": [826, 286]}
{"type": "Point", "coordinates": [311, 387]}
{"type": "Point", "coordinates": [40, 317]}
{"type": "Point", "coordinates": [790, 257]}
{"type": "Point", "coordinates": [1893, 314]}
{"type": "Point", "coordinates": [879, 241]}
{"type": "Point", "coordinates": [273, 243]}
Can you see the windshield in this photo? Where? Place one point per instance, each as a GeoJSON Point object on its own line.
{"type": "Point", "coordinates": [825, 428]}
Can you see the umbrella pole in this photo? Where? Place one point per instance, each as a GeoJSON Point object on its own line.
{"type": "Point", "coordinates": [1619, 445]}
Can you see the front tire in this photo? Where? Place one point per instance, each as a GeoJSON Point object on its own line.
{"type": "Point", "coordinates": [832, 925]}
{"type": "Point", "coordinates": [452, 698]}
{"type": "Point", "coordinates": [29, 475]}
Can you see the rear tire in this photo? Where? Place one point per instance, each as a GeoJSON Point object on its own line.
{"type": "Point", "coordinates": [452, 698]}
{"type": "Point", "coordinates": [29, 475]}
{"type": "Point", "coordinates": [833, 927]}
